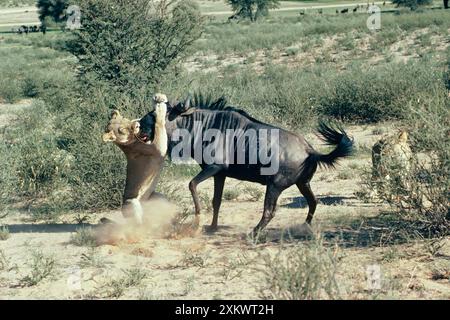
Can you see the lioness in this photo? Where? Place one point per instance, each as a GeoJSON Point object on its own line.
{"type": "Point", "coordinates": [145, 158]}
{"type": "Point", "coordinates": [394, 150]}
{"type": "Point", "coordinates": [391, 164]}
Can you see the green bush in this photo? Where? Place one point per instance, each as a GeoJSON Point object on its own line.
{"type": "Point", "coordinates": [252, 9]}
{"type": "Point", "coordinates": [379, 93]}
{"type": "Point", "coordinates": [420, 194]}
{"type": "Point", "coordinates": [127, 47]}
{"type": "Point", "coordinates": [295, 98]}
{"type": "Point", "coordinates": [37, 167]}
{"type": "Point", "coordinates": [10, 90]}
{"type": "Point", "coordinates": [32, 72]}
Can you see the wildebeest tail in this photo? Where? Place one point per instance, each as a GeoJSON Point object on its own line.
{"type": "Point", "coordinates": [336, 136]}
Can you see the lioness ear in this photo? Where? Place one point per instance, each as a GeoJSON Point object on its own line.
{"type": "Point", "coordinates": [115, 114]}
{"type": "Point", "coordinates": [109, 137]}
{"type": "Point", "coordinates": [403, 136]}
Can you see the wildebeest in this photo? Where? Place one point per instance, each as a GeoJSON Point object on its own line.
{"type": "Point", "coordinates": [297, 159]}
{"type": "Point", "coordinates": [344, 10]}
{"type": "Point", "coordinates": [236, 16]}
{"type": "Point", "coordinates": [23, 29]}
{"type": "Point", "coordinates": [29, 29]}
{"type": "Point", "coordinates": [355, 9]}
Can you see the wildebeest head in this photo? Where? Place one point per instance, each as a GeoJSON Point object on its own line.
{"type": "Point", "coordinates": [147, 123]}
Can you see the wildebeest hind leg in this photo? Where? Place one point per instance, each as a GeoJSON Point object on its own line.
{"type": "Point", "coordinates": [206, 173]}
{"type": "Point", "coordinates": [270, 203]}
{"type": "Point", "coordinates": [219, 182]}
{"type": "Point", "coordinates": [305, 190]}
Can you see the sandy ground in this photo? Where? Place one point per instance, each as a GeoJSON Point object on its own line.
{"type": "Point", "coordinates": [226, 264]}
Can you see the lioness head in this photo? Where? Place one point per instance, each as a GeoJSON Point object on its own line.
{"type": "Point", "coordinates": [121, 130]}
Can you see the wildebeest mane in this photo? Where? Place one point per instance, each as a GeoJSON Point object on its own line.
{"type": "Point", "coordinates": [206, 102]}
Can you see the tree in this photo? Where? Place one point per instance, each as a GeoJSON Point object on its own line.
{"type": "Point", "coordinates": [412, 4]}
{"type": "Point", "coordinates": [128, 45]}
{"type": "Point", "coordinates": [252, 9]}
{"type": "Point", "coordinates": [54, 9]}
{"type": "Point", "coordinates": [446, 4]}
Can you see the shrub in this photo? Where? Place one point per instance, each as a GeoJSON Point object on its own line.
{"type": "Point", "coordinates": [37, 165]}
{"type": "Point", "coordinates": [420, 195]}
{"type": "Point", "coordinates": [252, 9]}
{"type": "Point", "coordinates": [129, 47]}
{"type": "Point", "coordinates": [4, 233]}
{"type": "Point", "coordinates": [302, 272]}
{"type": "Point", "coordinates": [378, 94]}
{"type": "Point", "coordinates": [41, 267]}
{"type": "Point", "coordinates": [84, 237]}
{"type": "Point", "coordinates": [231, 194]}
{"type": "Point", "coordinates": [9, 90]}
{"type": "Point", "coordinates": [116, 288]}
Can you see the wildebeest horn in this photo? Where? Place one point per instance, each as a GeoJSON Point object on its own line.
{"type": "Point", "coordinates": [187, 103]}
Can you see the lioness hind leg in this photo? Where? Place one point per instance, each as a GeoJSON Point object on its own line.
{"type": "Point", "coordinates": [132, 208]}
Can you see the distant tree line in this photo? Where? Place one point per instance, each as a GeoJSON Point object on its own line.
{"type": "Point", "coordinates": [53, 9]}
{"type": "Point", "coordinates": [414, 4]}
{"type": "Point", "coordinates": [252, 9]}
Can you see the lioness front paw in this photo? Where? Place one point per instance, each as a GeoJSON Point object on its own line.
{"type": "Point", "coordinates": [160, 98]}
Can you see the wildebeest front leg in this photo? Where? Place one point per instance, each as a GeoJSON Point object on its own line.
{"type": "Point", "coordinates": [270, 203]}
{"type": "Point", "coordinates": [206, 173]}
{"type": "Point", "coordinates": [305, 190]}
{"type": "Point", "coordinates": [219, 182]}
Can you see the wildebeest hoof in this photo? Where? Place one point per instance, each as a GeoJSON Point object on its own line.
{"type": "Point", "coordinates": [255, 235]}
{"type": "Point", "coordinates": [305, 230]}
{"type": "Point", "coordinates": [211, 228]}
{"type": "Point", "coordinates": [106, 221]}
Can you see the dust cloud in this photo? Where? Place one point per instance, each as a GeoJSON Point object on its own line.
{"type": "Point", "coordinates": [161, 219]}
